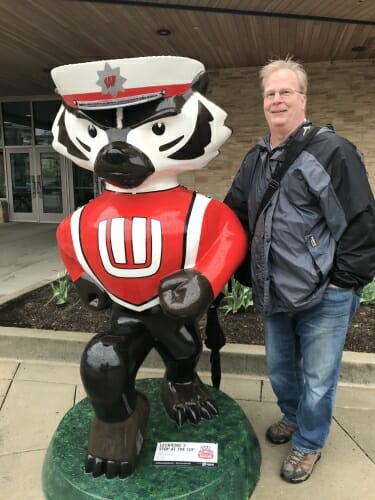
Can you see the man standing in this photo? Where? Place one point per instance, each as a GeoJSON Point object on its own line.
{"type": "Point", "coordinates": [312, 251]}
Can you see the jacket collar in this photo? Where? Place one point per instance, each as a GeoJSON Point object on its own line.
{"type": "Point", "coordinates": [265, 143]}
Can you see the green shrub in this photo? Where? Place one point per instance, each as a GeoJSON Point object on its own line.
{"type": "Point", "coordinates": [368, 294]}
{"type": "Point", "coordinates": [60, 289]}
{"type": "Point", "coordinates": [236, 297]}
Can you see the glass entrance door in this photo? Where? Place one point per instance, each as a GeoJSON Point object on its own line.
{"type": "Point", "coordinates": [38, 185]}
{"type": "Point", "coordinates": [51, 186]}
{"type": "Point", "coordinates": [22, 185]}
{"type": "Point", "coordinates": [84, 186]}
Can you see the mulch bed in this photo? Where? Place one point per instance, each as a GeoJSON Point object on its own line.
{"type": "Point", "coordinates": [36, 310]}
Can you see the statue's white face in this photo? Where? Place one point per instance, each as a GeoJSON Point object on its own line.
{"type": "Point", "coordinates": [130, 148]}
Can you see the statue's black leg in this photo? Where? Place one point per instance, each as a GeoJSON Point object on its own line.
{"type": "Point", "coordinates": [183, 394]}
{"type": "Point", "coordinates": [109, 366]}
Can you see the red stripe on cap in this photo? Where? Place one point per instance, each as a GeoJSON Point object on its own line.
{"type": "Point", "coordinates": [170, 91]}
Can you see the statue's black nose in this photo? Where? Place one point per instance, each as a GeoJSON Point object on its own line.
{"type": "Point", "coordinates": [116, 156]}
{"type": "Point", "coordinates": [123, 164]}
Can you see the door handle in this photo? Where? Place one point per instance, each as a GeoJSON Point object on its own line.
{"type": "Point", "coordinates": [38, 185]}
{"type": "Point", "coordinates": [33, 186]}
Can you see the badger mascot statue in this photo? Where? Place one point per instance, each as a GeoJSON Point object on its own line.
{"type": "Point", "coordinates": [154, 251]}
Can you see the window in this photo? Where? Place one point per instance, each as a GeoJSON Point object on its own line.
{"type": "Point", "coordinates": [3, 193]}
{"type": "Point", "coordinates": [1, 132]}
{"type": "Point", "coordinates": [17, 123]}
{"type": "Point", "coordinates": [83, 181]}
{"type": "Point", "coordinates": [44, 113]}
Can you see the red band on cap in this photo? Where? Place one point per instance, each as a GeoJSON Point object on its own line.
{"type": "Point", "coordinates": [168, 91]}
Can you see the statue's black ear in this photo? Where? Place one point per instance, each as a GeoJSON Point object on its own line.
{"type": "Point", "coordinates": [200, 83]}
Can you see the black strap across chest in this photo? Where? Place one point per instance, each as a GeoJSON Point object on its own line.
{"type": "Point", "coordinates": [293, 149]}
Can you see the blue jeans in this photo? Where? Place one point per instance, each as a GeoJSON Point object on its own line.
{"type": "Point", "coordinates": [304, 352]}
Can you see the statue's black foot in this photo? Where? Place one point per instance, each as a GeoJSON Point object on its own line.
{"type": "Point", "coordinates": [188, 401]}
{"type": "Point", "coordinates": [111, 468]}
{"type": "Point", "coordinates": [114, 448]}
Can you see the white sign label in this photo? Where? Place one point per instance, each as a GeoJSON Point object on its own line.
{"type": "Point", "coordinates": [181, 453]}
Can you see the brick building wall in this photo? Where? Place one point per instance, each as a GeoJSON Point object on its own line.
{"type": "Point", "coordinates": [341, 93]}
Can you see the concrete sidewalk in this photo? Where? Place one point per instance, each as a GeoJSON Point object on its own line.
{"type": "Point", "coordinates": [28, 257]}
{"type": "Point", "coordinates": [39, 383]}
{"type": "Point", "coordinates": [35, 395]}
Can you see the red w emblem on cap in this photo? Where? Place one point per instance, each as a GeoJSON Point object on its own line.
{"type": "Point", "coordinates": [110, 81]}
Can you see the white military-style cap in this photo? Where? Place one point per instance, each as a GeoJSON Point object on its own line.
{"type": "Point", "coordinates": [124, 82]}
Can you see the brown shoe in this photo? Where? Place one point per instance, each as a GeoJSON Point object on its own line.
{"type": "Point", "coordinates": [298, 466]}
{"type": "Point", "coordinates": [280, 432]}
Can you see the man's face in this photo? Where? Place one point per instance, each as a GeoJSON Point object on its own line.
{"type": "Point", "coordinates": [285, 112]}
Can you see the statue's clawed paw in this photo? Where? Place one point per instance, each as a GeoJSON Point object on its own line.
{"type": "Point", "coordinates": [194, 412]}
{"type": "Point", "coordinates": [111, 468]}
{"type": "Point", "coordinates": [188, 401]}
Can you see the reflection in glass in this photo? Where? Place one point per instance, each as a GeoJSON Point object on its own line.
{"type": "Point", "coordinates": [44, 112]}
{"type": "Point", "coordinates": [21, 182]}
{"type": "Point", "coordinates": [3, 193]}
{"type": "Point", "coordinates": [83, 185]}
{"type": "Point", "coordinates": [17, 123]}
{"type": "Point", "coordinates": [51, 183]}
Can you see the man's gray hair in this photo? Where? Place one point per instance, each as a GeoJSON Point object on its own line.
{"type": "Point", "coordinates": [287, 63]}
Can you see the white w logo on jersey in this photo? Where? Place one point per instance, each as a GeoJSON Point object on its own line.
{"type": "Point", "coordinates": [138, 239]}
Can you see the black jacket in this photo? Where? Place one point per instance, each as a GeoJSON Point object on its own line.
{"type": "Point", "coordinates": [318, 228]}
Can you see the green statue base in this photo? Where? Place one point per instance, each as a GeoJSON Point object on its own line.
{"type": "Point", "coordinates": [235, 475]}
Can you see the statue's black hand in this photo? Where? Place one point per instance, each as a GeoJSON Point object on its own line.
{"type": "Point", "coordinates": [93, 296]}
{"type": "Point", "coordinates": [185, 295]}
